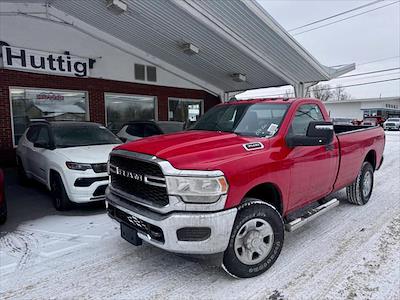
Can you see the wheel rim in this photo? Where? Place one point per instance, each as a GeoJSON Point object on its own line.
{"type": "Point", "coordinates": [367, 184]}
{"type": "Point", "coordinates": [253, 241]}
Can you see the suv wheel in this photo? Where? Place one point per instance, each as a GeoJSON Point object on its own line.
{"type": "Point", "coordinates": [256, 239]}
{"type": "Point", "coordinates": [359, 192]}
{"type": "Point", "coordinates": [60, 198]}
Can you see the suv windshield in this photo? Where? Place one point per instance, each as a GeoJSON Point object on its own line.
{"type": "Point", "coordinates": [82, 135]}
{"type": "Point", "coordinates": [260, 119]}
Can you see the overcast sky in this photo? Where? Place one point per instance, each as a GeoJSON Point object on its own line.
{"type": "Point", "coordinates": [369, 37]}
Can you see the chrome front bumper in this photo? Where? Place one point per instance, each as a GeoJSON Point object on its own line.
{"type": "Point", "coordinates": [220, 223]}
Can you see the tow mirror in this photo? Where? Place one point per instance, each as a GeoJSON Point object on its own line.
{"type": "Point", "coordinates": [318, 133]}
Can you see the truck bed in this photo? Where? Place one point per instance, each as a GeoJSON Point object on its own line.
{"type": "Point", "coordinates": [339, 129]}
{"type": "Point", "coordinates": [355, 143]}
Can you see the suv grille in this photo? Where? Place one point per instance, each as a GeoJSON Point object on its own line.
{"type": "Point", "coordinates": [157, 195]}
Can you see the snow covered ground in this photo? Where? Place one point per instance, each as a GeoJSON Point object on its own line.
{"type": "Point", "coordinates": [350, 252]}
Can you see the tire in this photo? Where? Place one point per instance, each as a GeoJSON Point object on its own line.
{"type": "Point", "coordinates": [21, 174]}
{"type": "Point", "coordinates": [256, 240]}
{"type": "Point", "coordinates": [61, 201]}
{"type": "Point", "coordinates": [359, 192]}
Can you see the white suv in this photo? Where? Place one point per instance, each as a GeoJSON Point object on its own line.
{"type": "Point", "coordinates": [70, 158]}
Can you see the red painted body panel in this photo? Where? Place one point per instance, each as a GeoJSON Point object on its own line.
{"type": "Point", "coordinates": [354, 147]}
{"type": "Point", "coordinates": [301, 174]}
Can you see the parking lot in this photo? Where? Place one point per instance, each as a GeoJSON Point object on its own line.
{"type": "Point", "coordinates": [350, 252]}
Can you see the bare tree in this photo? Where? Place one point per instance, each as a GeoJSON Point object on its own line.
{"type": "Point", "coordinates": [339, 94]}
{"type": "Point", "coordinates": [321, 91]}
{"type": "Point", "coordinates": [288, 94]}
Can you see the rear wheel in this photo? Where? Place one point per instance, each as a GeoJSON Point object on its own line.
{"type": "Point", "coordinates": [60, 198]}
{"type": "Point", "coordinates": [359, 192]}
{"type": "Point", "coordinates": [256, 240]}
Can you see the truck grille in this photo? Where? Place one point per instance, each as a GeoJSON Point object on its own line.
{"type": "Point", "coordinates": [134, 183]}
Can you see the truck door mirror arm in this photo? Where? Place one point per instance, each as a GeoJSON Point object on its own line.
{"type": "Point", "coordinates": [318, 133]}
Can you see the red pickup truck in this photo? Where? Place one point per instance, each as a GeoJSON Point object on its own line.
{"type": "Point", "coordinates": [235, 181]}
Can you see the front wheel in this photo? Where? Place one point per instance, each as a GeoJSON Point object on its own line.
{"type": "Point", "coordinates": [359, 192]}
{"type": "Point", "coordinates": [256, 239]}
{"type": "Point", "coordinates": [60, 198]}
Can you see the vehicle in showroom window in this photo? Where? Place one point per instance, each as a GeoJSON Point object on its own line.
{"type": "Point", "coordinates": [242, 174]}
{"type": "Point", "coordinates": [392, 124]}
{"type": "Point", "coordinates": [137, 130]}
{"type": "Point", "coordinates": [69, 158]}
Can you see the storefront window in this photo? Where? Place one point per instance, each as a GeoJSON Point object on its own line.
{"type": "Point", "coordinates": [121, 109]}
{"type": "Point", "coordinates": [51, 105]}
{"type": "Point", "coordinates": [184, 110]}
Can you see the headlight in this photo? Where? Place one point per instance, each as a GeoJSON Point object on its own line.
{"type": "Point", "coordinates": [197, 189]}
{"type": "Point", "coordinates": [78, 166]}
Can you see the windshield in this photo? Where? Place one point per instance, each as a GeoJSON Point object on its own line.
{"type": "Point", "coordinates": [82, 135]}
{"type": "Point", "coordinates": [261, 119]}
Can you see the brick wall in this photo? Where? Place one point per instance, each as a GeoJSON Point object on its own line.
{"type": "Point", "coordinates": [95, 88]}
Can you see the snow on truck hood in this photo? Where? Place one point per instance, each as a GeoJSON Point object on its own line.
{"type": "Point", "coordinates": [87, 154]}
{"type": "Point", "coordinates": [194, 149]}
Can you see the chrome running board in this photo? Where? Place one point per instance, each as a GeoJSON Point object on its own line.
{"type": "Point", "coordinates": [311, 215]}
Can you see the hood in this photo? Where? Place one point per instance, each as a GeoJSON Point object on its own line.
{"type": "Point", "coordinates": [87, 154]}
{"type": "Point", "coordinates": [197, 150]}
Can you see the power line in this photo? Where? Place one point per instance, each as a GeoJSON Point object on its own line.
{"type": "Point", "coordinates": [378, 60]}
{"type": "Point", "coordinates": [342, 86]}
{"type": "Point", "coordinates": [368, 77]}
{"type": "Point", "coordinates": [336, 15]}
{"type": "Point", "coordinates": [366, 73]}
{"type": "Point", "coordinates": [340, 20]}
{"type": "Point", "coordinates": [358, 84]}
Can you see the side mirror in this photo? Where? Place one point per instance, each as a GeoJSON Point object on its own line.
{"type": "Point", "coordinates": [318, 133]}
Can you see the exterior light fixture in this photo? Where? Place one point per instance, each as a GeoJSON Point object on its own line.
{"type": "Point", "coordinates": [117, 6]}
{"type": "Point", "coordinates": [190, 49]}
{"type": "Point", "coordinates": [238, 77]}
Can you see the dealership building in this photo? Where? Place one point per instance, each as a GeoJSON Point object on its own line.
{"type": "Point", "coordinates": [385, 107]}
{"type": "Point", "coordinates": [116, 61]}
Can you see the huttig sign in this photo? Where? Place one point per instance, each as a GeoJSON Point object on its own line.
{"type": "Point", "coordinates": [44, 62]}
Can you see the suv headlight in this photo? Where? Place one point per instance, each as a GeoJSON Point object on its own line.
{"type": "Point", "coordinates": [197, 189]}
{"type": "Point", "coordinates": [78, 166]}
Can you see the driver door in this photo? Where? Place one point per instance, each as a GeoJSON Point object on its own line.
{"type": "Point", "coordinates": [313, 169]}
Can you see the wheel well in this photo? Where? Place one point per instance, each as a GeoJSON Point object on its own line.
{"type": "Point", "coordinates": [269, 193]}
{"type": "Point", "coordinates": [371, 158]}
